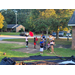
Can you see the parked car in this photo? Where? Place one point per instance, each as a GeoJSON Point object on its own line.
{"type": "Point", "coordinates": [68, 34]}
{"type": "Point", "coordinates": [53, 34]}
{"type": "Point", "coordinates": [61, 33]}
{"type": "Point", "coordinates": [24, 33]}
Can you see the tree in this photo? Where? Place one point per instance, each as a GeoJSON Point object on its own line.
{"type": "Point", "coordinates": [47, 15]}
{"type": "Point", "coordinates": [9, 16]}
{"type": "Point", "coordinates": [63, 15]}
{"type": "Point", "coordinates": [5, 26]}
{"type": "Point", "coordinates": [58, 18]}
{"type": "Point", "coordinates": [1, 21]}
{"type": "Point", "coordinates": [34, 14]}
{"type": "Point", "coordinates": [22, 15]}
{"type": "Point", "coordinates": [40, 25]}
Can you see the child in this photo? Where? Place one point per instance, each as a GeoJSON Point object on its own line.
{"type": "Point", "coordinates": [48, 48]}
{"type": "Point", "coordinates": [34, 42]}
{"type": "Point", "coordinates": [41, 46]}
{"type": "Point", "coordinates": [26, 40]}
{"type": "Point", "coordinates": [52, 46]}
{"type": "Point", "coordinates": [36, 39]}
{"type": "Point", "coordinates": [44, 44]}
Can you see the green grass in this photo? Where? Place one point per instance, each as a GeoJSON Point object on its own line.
{"type": "Point", "coordinates": [9, 53]}
{"type": "Point", "coordinates": [10, 33]}
{"type": "Point", "coordinates": [58, 51]}
{"type": "Point", "coordinates": [7, 48]}
{"type": "Point", "coordinates": [62, 52]}
{"type": "Point", "coordinates": [63, 41]}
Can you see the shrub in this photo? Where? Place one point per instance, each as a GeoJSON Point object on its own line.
{"type": "Point", "coordinates": [21, 30]}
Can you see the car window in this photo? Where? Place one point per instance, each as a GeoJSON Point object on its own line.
{"type": "Point", "coordinates": [68, 33]}
{"type": "Point", "coordinates": [54, 33]}
{"type": "Point", "coordinates": [60, 32]}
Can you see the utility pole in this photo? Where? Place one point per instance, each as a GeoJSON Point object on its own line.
{"type": "Point", "coordinates": [16, 17]}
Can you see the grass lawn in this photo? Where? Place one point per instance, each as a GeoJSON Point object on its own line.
{"type": "Point", "coordinates": [63, 41]}
{"type": "Point", "coordinates": [7, 48]}
{"type": "Point", "coordinates": [10, 33]}
{"type": "Point", "coordinates": [58, 51]}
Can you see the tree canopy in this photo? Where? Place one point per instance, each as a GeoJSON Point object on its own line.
{"type": "Point", "coordinates": [1, 21]}
{"type": "Point", "coordinates": [38, 20]}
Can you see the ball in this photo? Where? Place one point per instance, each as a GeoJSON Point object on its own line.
{"type": "Point", "coordinates": [4, 53]}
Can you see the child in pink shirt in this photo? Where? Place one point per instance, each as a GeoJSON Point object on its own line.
{"type": "Point", "coordinates": [48, 46]}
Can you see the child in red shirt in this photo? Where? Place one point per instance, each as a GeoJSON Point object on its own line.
{"type": "Point", "coordinates": [35, 40]}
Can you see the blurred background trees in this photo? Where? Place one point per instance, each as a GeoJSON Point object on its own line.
{"type": "Point", "coordinates": [39, 20]}
{"type": "Point", "coordinates": [1, 21]}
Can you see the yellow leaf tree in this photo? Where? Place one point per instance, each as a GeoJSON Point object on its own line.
{"type": "Point", "coordinates": [48, 13]}
{"type": "Point", "coordinates": [1, 21]}
{"type": "Point", "coordinates": [59, 18]}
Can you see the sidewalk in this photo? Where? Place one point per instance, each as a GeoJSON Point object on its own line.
{"type": "Point", "coordinates": [23, 43]}
{"type": "Point", "coordinates": [38, 36]}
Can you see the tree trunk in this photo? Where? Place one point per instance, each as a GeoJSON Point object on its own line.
{"type": "Point", "coordinates": [39, 32]}
{"type": "Point", "coordinates": [0, 31]}
{"type": "Point", "coordinates": [57, 33]}
{"type": "Point", "coordinates": [42, 33]}
{"type": "Point", "coordinates": [46, 33]}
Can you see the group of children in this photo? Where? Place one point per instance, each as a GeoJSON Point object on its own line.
{"type": "Point", "coordinates": [35, 41]}
{"type": "Point", "coordinates": [43, 46]}
{"type": "Point", "coordinates": [50, 44]}
{"type": "Point", "coordinates": [42, 43]}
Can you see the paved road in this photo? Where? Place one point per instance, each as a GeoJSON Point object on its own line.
{"type": "Point", "coordinates": [15, 37]}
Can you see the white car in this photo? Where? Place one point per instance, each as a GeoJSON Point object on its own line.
{"type": "Point", "coordinates": [24, 33]}
{"type": "Point", "coordinates": [61, 33]}
{"type": "Point", "coordinates": [68, 34]}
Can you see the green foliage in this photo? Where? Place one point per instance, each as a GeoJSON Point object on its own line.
{"type": "Point", "coordinates": [9, 53]}
{"type": "Point", "coordinates": [5, 26]}
{"type": "Point", "coordinates": [9, 16]}
{"type": "Point", "coordinates": [39, 19]}
{"type": "Point", "coordinates": [21, 30]}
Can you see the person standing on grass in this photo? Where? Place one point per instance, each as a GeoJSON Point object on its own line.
{"type": "Point", "coordinates": [51, 38]}
{"type": "Point", "coordinates": [34, 42]}
{"type": "Point", "coordinates": [36, 39]}
{"type": "Point", "coordinates": [41, 46]}
{"type": "Point", "coordinates": [48, 46]}
{"type": "Point", "coordinates": [44, 44]}
{"type": "Point", "coordinates": [26, 40]}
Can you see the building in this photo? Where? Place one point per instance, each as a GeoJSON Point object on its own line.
{"type": "Point", "coordinates": [14, 27]}
{"type": "Point", "coordinates": [72, 23]}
